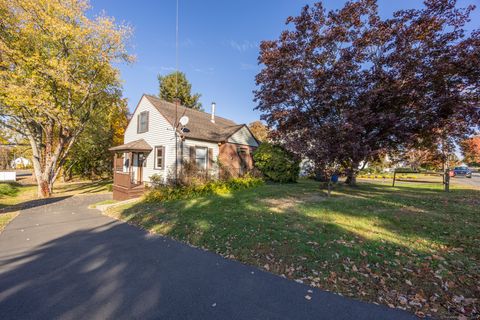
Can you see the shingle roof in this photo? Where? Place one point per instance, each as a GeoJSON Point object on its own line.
{"type": "Point", "coordinates": [137, 145]}
{"type": "Point", "coordinates": [199, 126]}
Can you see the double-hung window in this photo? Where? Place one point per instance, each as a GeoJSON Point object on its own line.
{"type": "Point", "coordinates": [201, 155]}
{"type": "Point", "coordinates": [159, 157]}
{"type": "Point", "coordinates": [142, 122]}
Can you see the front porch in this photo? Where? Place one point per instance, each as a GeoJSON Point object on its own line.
{"type": "Point", "coordinates": [124, 188]}
{"type": "Point", "coordinates": [128, 166]}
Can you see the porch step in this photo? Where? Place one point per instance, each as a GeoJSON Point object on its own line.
{"type": "Point", "coordinates": [122, 193]}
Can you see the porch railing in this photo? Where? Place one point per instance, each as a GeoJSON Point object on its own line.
{"type": "Point", "coordinates": [122, 179]}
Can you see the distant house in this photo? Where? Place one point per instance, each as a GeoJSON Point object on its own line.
{"type": "Point", "coordinates": [151, 146]}
{"type": "Point", "coordinates": [21, 163]}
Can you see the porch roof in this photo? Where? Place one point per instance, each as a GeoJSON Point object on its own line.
{"type": "Point", "coordinates": [135, 146]}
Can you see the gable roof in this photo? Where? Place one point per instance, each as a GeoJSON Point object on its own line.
{"type": "Point", "coordinates": [199, 126]}
{"type": "Point", "coordinates": [137, 145]}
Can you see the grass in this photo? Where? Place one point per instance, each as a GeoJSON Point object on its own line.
{"type": "Point", "coordinates": [412, 246]}
{"type": "Point", "coordinates": [100, 203]}
{"type": "Point", "coordinates": [14, 195]}
{"type": "Point", "coordinates": [8, 189]}
{"type": "Point", "coordinates": [6, 218]}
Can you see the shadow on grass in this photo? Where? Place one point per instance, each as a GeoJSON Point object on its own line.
{"type": "Point", "coordinates": [416, 212]}
{"type": "Point", "coordinates": [32, 204]}
{"type": "Point", "coordinates": [86, 187]}
{"type": "Point", "coordinates": [390, 218]}
{"type": "Point", "coordinates": [61, 192]}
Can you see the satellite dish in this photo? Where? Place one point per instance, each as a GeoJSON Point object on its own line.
{"type": "Point", "coordinates": [183, 120]}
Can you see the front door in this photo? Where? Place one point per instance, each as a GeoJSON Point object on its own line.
{"type": "Point", "coordinates": [141, 160]}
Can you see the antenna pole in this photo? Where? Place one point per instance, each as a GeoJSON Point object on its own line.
{"type": "Point", "coordinates": [176, 96]}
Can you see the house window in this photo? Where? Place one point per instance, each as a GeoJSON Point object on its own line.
{"type": "Point", "coordinates": [159, 157]}
{"type": "Point", "coordinates": [201, 157]}
{"type": "Point", "coordinates": [142, 122]}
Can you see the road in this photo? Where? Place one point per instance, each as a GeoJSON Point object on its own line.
{"type": "Point", "coordinates": [474, 181]}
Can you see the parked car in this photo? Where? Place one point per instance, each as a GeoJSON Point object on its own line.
{"type": "Point", "coordinates": [462, 171]}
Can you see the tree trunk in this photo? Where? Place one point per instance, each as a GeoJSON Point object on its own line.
{"type": "Point", "coordinates": [351, 179]}
{"type": "Point", "coordinates": [352, 176]}
{"type": "Point", "coordinates": [44, 188]}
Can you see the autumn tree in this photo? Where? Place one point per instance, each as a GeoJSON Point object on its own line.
{"type": "Point", "coordinates": [423, 158]}
{"type": "Point", "coordinates": [342, 87]}
{"type": "Point", "coordinates": [259, 130]}
{"type": "Point", "coordinates": [433, 68]}
{"type": "Point", "coordinates": [471, 150]}
{"type": "Point", "coordinates": [89, 156]}
{"type": "Point", "coordinates": [313, 86]}
{"type": "Point", "coordinates": [56, 75]}
{"type": "Point", "coordinates": [176, 86]}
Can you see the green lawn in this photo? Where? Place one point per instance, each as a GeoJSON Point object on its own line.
{"type": "Point", "coordinates": [412, 246]}
{"type": "Point", "coordinates": [5, 219]}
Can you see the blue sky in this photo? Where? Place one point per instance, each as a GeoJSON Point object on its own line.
{"type": "Point", "coordinates": [219, 44]}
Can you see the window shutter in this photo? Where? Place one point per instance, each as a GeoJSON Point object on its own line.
{"type": "Point", "coordinates": [147, 115]}
{"type": "Point", "coordinates": [210, 158]}
{"type": "Point", "coordinates": [192, 154]}
{"type": "Point", "coordinates": [163, 157]}
{"type": "Point", "coordinates": [138, 123]}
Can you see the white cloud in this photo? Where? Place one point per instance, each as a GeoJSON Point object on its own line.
{"type": "Point", "coordinates": [204, 70]}
{"type": "Point", "coordinates": [243, 45]}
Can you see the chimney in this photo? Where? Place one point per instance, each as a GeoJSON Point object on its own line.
{"type": "Point", "coordinates": [212, 120]}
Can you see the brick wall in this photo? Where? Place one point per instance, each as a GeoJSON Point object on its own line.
{"type": "Point", "coordinates": [236, 158]}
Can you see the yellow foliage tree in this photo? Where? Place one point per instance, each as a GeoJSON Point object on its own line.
{"type": "Point", "coordinates": [259, 130]}
{"type": "Point", "coordinates": [56, 75]}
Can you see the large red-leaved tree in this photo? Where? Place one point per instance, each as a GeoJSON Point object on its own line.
{"type": "Point", "coordinates": [343, 86]}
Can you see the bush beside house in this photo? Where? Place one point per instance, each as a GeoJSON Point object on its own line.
{"type": "Point", "coordinates": [193, 182]}
{"type": "Point", "coordinates": [276, 164]}
{"type": "Point", "coordinates": [169, 192]}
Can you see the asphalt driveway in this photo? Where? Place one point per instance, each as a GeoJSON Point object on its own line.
{"type": "Point", "coordinates": [63, 260]}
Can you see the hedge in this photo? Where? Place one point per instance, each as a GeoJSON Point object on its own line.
{"type": "Point", "coordinates": [168, 193]}
{"type": "Point", "coordinates": [276, 163]}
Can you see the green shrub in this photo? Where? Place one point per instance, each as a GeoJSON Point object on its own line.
{"type": "Point", "coordinates": [8, 189]}
{"type": "Point", "coordinates": [276, 164]}
{"type": "Point", "coordinates": [168, 193]}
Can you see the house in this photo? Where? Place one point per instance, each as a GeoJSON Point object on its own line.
{"type": "Point", "coordinates": [21, 163]}
{"type": "Point", "coordinates": [153, 146]}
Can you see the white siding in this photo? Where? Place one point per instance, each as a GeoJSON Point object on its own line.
{"type": "Point", "coordinates": [188, 143]}
{"type": "Point", "coordinates": [160, 133]}
{"type": "Point", "coordinates": [243, 136]}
